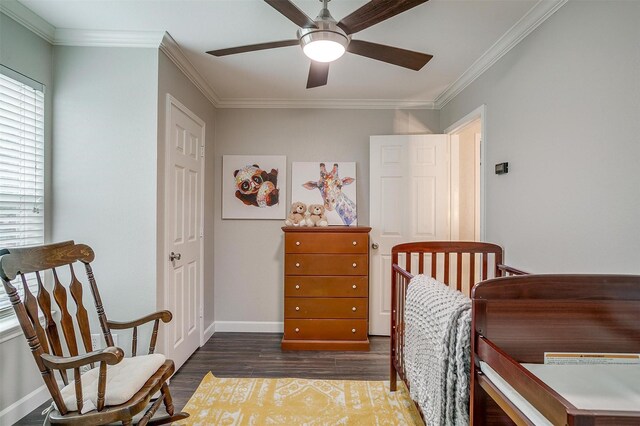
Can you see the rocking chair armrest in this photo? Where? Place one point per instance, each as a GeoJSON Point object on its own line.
{"type": "Point", "coordinates": [164, 316]}
{"type": "Point", "coordinates": [111, 355]}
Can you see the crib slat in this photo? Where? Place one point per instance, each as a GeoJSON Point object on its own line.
{"type": "Point", "coordinates": [459, 271]}
{"type": "Point", "coordinates": [484, 266]}
{"type": "Point", "coordinates": [446, 268]}
{"type": "Point", "coordinates": [498, 261]}
{"type": "Point", "coordinates": [421, 263]}
{"type": "Point", "coordinates": [434, 266]}
{"type": "Point", "coordinates": [407, 259]}
{"type": "Point", "coordinates": [472, 270]}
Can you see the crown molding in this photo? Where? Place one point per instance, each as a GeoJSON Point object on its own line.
{"type": "Point", "coordinates": [75, 37]}
{"type": "Point", "coordinates": [171, 48]}
{"type": "Point", "coordinates": [72, 37]}
{"type": "Point", "coordinates": [325, 103]}
{"type": "Point", "coordinates": [25, 17]}
{"type": "Point", "coordinates": [100, 38]}
{"type": "Point", "coordinates": [529, 22]}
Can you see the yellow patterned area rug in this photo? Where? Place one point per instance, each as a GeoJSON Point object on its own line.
{"type": "Point", "coordinates": [294, 402]}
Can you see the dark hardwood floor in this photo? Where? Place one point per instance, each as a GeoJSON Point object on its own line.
{"type": "Point", "coordinates": [259, 355]}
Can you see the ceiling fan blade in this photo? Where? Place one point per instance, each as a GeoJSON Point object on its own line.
{"type": "Point", "coordinates": [375, 12]}
{"type": "Point", "coordinates": [253, 47]}
{"type": "Point", "coordinates": [391, 55]}
{"type": "Point", "coordinates": [292, 12]}
{"type": "Point", "coordinates": [318, 74]}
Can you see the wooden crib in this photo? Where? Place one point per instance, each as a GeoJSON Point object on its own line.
{"type": "Point", "coordinates": [459, 264]}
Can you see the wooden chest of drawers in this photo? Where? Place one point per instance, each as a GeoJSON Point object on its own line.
{"type": "Point", "coordinates": [326, 288]}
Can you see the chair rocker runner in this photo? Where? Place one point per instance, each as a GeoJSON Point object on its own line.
{"type": "Point", "coordinates": [115, 388]}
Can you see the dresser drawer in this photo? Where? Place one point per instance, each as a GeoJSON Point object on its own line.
{"type": "Point", "coordinates": [319, 307]}
{"type": "Point", "coordinates": [326, 264]}
{"type": "Point", "coordinates": [304, 286]}
{"type": "Point", "coordinates": [325, 329]}
{"type": "Point", "coordinates": [330, 242]}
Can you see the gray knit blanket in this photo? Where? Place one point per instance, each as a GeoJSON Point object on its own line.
{"type": "Point", "coordinates": [437, 350]}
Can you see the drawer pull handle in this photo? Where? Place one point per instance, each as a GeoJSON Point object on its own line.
{"type": "Point", "coordinates": [355, 243]}
{"type": "Point", "coordinates": [354, 309]}
{"type": "Point", "coordinates": [297, 308]}
{"type": "Point", "coordinates": [297, 286]}
{"type": "Point", "coordinates": [353, 330]}
{"type": "Point", "coordinates": [297, 243]}
{"type": "Point", "coordinates": [297, 265]}
{"type": "Point", "coordinates": [354, 286]}
{"type": "Point", "coordinates": [355, 264]}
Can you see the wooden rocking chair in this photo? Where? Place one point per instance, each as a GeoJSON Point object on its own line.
{"type": "Point", "coordinates": [132, 381]}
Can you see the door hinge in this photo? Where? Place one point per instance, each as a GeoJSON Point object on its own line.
{"type": "Point", "coordinates": [202, 151]}
{"type": "Point", "coordinates": [201, 232]}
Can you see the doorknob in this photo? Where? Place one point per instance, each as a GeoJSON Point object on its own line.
{"type": "Point", "coordinates": [375, 246]}
{"type": "Point", "coordinates": [174, 256]}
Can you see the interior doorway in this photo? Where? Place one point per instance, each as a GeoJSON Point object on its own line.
{"type": "Point", "coordinates": [465, 182]}
{"type": "Point", "coordinates": [466, 139]}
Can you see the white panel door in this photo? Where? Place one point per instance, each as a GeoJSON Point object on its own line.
{"type": "Point", "coordinates": [183, 191]}
{"type": "Point", "coordinates": [409, 201]}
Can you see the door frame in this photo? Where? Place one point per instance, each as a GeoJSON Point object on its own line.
{"type": "Point", "coordinates": [481, 114]}
{"type": "Point", "coordinates": [173, 102]}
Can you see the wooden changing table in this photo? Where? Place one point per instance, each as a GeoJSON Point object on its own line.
{"type": "Point", "coordinates": [517, 319]}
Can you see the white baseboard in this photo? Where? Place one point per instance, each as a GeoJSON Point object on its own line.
{"type": "Point", "coordinates": [208, 332]}
{"type": "Point", "coordinates": [24, 406]}
{"type": "Point", "coordinates": [249, 326]}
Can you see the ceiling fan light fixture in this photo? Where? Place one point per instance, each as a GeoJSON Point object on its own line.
{"type": "Point", "coordinates": [324, 46]}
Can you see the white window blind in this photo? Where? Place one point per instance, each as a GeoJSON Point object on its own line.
{"type": "Point", "coordinates": [21, 166]}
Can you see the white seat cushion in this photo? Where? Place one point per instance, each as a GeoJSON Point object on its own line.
{"type": "Point", "coordinates": [123, 381]}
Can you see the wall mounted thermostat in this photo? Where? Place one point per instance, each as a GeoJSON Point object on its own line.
{"type": "Point", "coordinates": [502, 168]}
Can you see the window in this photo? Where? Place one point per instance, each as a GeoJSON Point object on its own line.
{"type": "Point", "coordinates": [21, 166]}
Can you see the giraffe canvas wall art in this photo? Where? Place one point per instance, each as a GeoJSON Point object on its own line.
{"type": "Point", "coordinates": [330, 183]}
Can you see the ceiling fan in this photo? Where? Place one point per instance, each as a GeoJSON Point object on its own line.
{"type": "Point", "coordinates": [324, 40]}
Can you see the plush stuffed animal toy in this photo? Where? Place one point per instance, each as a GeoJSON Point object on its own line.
{"type": "Point", "coordinates": [297, 215]}
{"type": "Point", "coordinates": [316, 216]}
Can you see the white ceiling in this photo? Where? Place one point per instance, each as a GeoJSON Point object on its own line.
{"type": "Point", "coordinates": [456, 32]}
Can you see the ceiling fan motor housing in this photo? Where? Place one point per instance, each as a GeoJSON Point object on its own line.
{"type": "Point", "coordinates": [327, 31]}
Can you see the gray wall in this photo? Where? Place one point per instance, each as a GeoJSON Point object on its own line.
{"type": "Point", "coordinates": [23, 51]}
{"type": "Point", "coordinates": [563, 109]}
{"type": "Point", "coordinates": [104, 169]}
{"type": "Point", "coordinates": [171, 80]}
{"type": "Point", "coordinates": [249, 253]}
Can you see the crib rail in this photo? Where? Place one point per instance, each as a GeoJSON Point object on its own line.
{"type": "Point", "coordinates": [399, 284]}
{"type": "Point", "coordinates": [508, 271]}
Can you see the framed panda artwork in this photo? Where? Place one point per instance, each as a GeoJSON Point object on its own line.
{"type": "Point", "coordinates": [254, 186]}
